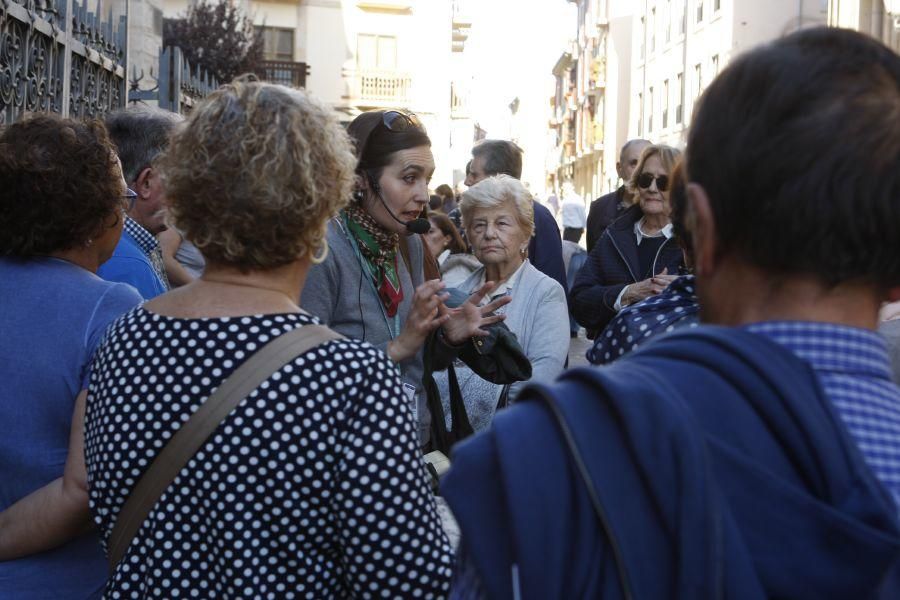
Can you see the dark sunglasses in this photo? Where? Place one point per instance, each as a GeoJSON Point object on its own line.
{"type": "Point", "coordinates": [645, 180]}
{"type": "Point", "coordinates": [396, 121]}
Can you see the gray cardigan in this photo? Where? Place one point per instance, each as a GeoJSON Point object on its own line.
{"type": "Point", "coordinates": [339, 293]}
{"type": "Point", "coordinates": [539, 317]}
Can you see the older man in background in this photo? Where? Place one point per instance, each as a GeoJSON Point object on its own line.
{"type": "Point", "coordinates": [140, 134]}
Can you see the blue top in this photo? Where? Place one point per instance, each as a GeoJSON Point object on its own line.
{"type": "Point", "coordinates": [52, 317]}
{"type": "Point", "coordinates": [853, 367]}
{"type": "Point", "coordinates": [718, 461]}
{"type": "Point", "coordinates": [131, 262]}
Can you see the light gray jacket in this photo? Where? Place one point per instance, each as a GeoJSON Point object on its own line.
{"type": "Point", "coordinates": [339, 293]}
{"type": "Point", "coordinates": [539, 316]}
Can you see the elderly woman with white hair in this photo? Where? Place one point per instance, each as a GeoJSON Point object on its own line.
{"type": "Point", "coordinates": [498, 217]}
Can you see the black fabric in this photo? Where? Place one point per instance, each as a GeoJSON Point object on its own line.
{"type": "Point", "coordinates": [603, 211]}
{"type": "Point", "coordinates": [646, 254]}
{"type": "Point", "coordinates": [497, 358]}
{"type": "Point", "coordinates": [545, 247]}
{"type": "Point", "coordinates": [573, 234]}
{"type": "Point", "coordinates": [611, 265]}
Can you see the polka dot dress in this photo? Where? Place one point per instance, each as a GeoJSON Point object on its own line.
{"type": "Point", "coordinates": [313, 487]}
{"type": "Point", "coordinates": [675, 307]}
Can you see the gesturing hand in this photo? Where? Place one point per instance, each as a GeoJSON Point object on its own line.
{"type": "Point", "coordinates": [424, 317]}
{"type": "Point", "coordinates": [468, 319]}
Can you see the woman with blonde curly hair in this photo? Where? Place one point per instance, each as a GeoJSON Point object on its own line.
{"type": "Point", "coordinates": [289, 495]}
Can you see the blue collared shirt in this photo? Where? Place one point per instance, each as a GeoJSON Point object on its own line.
{"type": "Point", "coordinates": [853, 367]}
{"type": "Point", "coordinates": [149, 245]}
{"type": "Point", "coordinates": [137, 261]}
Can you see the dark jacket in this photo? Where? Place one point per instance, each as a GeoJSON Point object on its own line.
{"type": "Point", "coordinates": [611, 265]}
{"type": "Point", "coordinates": [721, 470]}
{"type": "Point", "coordinates": [545, 247]}
{"type": "Point", "coordinates": [604, 210]}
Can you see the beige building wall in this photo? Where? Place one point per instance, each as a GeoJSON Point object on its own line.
{"type": "Point", "coordinates": [659, 57]}
{"type": "Point", "coordinates": [145, 22]}
{"type": "Point", "coordinates": [686, 44]}
{"type": "Point", "coordinates": [372, 54]}
{"type": "Point", "coordinates": [878, 18]}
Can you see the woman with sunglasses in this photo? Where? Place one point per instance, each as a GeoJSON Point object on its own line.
{"type": "Point", "coordinates": [636, 256]}
{"type": "Point", "coordinates": [373, 285]}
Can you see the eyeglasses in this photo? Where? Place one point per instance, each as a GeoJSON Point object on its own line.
{"type": "Point", "coordinates": [396, 121]}
{"type": "Point", "coordinates": [645, 180]}
{"type": "Point", "coordinates": [128, 199]}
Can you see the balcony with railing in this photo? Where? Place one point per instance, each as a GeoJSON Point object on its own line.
{"type": "Point", "coordinates": [380, 88]}
{"type": "Point", "coordinates": [459, 106]}
{"type": "Point", "coordinates": [285, 72]}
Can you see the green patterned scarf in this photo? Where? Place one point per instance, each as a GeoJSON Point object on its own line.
{"type": "Point", "coordinates": [379, 249]}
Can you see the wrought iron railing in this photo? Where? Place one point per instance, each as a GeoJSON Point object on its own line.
{"type": "Point", "coordinates": [59, 56]}
{"type": "Point", "coordinates": [285, 72]}
{"type": "Point", "coordinates": [177, 88]}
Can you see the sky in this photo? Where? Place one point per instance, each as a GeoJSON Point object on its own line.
{"type": "Point", "coordinates": [512, 47]}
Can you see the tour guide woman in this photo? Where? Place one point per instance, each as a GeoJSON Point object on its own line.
{"type": "Point", "coordinates": [372, 286]}
{"type": "Point", "coordinates": [636, 257]}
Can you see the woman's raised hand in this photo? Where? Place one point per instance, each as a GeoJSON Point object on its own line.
{"type": "Point", "coordinates": [425, 315]}
{"type": "Point", "coordinates": [469, 319]}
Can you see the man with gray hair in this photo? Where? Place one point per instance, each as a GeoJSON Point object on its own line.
{"type": "Point", "coordinates": [496, 157]}
{"type": "Point", "coordinates": [606, 209]}
{"type": "Point", "coordinates": [140, 134]}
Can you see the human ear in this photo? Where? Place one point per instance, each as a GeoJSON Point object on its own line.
{"type": "Point", "coordinates": [142, 183]}
{"type": "Point", "coordinates": [702, 226]}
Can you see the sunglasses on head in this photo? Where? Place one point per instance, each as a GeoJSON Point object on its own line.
{"type": "Point", "coordinates": [396, 121]}
{"type": "Point", "coordinates": [645, 180]}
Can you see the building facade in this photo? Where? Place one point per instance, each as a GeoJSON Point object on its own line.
{"type": "Point", "coordinates": [375, 54]}
{"type": "Point", "coordinates": [637, 68]}
{"type": "Point", "coordinates": [878, 18]}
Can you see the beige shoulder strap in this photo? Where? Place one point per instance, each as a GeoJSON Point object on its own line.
{"type": "Point", "coordinates": [194, 433]}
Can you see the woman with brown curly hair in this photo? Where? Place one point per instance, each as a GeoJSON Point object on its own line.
{"type": "Point", "coordinates": [61, 214]}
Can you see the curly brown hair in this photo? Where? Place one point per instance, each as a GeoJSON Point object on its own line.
{"type": "Point", "coordinates": [57, 184]}
{"type": "Point", "coordinates": [255, 174]}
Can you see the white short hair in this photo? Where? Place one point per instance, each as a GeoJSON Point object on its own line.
{"type": "Point", "coordinates": [496, 191]}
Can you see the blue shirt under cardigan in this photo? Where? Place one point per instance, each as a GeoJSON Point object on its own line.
{"type": "Point", "coordinates": [53, 315]}
{"type": "Point", "coordinates": [721, 467]}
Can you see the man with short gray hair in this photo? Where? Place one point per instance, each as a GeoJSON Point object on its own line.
{"type": "Point", "coordinates": [606, 209]}
{"type": "Point", "coordinates": [140, 134]}
{"type": "Point", "coordinates": [496, 157]}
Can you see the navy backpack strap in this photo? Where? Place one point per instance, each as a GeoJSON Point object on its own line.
{"type": "Point", "coordinates": [543, 394]}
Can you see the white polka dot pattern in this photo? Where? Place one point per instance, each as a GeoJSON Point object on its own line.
{"type": "Point", "coordinates": [312, 488]}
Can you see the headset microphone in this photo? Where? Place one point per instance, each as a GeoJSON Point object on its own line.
{"type": "Point", "coordinates": [420, 225]}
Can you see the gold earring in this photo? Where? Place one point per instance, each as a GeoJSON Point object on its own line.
{"type": "Point", "coordinates": [321, 255]}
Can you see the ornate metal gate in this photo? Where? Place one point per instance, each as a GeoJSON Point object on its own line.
{"type": "Point", "coordinates": [56, 55]}
{"type": "Point", "coordinates": [178, 87]}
